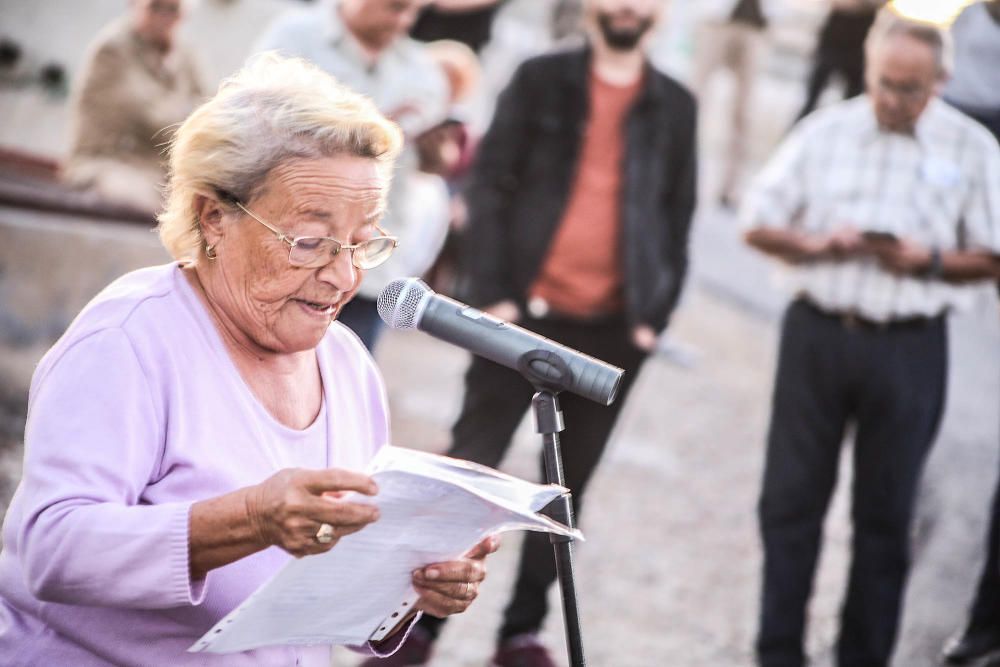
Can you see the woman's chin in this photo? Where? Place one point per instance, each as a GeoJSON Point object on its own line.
{"type": "Point", "coordinates": [304, 331]}
{"type": "Point", "coordinates": [301, 342]}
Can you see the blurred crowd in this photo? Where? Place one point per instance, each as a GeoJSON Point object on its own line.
{"type": "Point", "coordinates": [569, 207]}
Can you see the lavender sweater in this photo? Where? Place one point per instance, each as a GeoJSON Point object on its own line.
{"type": "Point", "coordinates": [133, 415]}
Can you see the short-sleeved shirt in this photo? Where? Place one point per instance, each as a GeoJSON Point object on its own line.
{"type": "Point", "coordinates": [939, 187]}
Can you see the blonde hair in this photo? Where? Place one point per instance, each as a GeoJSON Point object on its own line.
{"type": "Point", "coordinates": [273, 110]}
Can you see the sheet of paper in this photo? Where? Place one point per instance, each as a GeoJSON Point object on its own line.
{"type": "Point", "coordinates": [484, 480]}
{"type": "Point", "coordinates": [432, 509]}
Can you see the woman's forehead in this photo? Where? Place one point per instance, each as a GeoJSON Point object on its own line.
{"type": "Point", "coordinates": [327, 202]}
{"type": "Point", "coordinates": [327, 188]}
{"type": "Point", "coordinates": [358, 211]}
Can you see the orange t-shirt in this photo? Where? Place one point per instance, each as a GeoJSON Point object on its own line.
{"type": "Point", "coordinates": [582, 273]}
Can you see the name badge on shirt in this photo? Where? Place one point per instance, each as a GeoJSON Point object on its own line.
{"type": "Point", "coordinates": [941, 173]}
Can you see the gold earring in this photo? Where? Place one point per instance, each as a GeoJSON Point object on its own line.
{"type": "Point", "coordinates": [210, 251]}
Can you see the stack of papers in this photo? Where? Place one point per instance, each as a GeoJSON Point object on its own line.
{"type": "Point", "coordinates": [432, 509]}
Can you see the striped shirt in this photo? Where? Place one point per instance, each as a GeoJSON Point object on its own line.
{"type": "Point", "coordinates": [939, 187]}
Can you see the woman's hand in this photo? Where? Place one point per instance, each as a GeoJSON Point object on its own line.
{"type": "Point", "coordinates": [288, 508]}
{"type": "Point", "coordinates": [449, 588]}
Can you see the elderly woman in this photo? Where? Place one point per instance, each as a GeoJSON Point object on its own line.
{"type": "Point", "coordinates": [200, 422]}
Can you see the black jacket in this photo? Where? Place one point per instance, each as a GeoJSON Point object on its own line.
{"type": "Point", "coordinates": [525, 170]}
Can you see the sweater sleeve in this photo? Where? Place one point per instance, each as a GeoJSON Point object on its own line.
{"type": "Point", "coordinates": [93, 443]}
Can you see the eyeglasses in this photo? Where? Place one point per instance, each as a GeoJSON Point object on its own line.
{"type": "Point", "coordinates": [909, 92]}
{"type": "Point", "coordinates": [312, 252]}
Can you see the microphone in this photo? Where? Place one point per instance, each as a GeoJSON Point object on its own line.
{"type": "Point", "coordinates": [408, 303]}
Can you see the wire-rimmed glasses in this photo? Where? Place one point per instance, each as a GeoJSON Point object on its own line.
{"type": "Point", "coordinates": [312, 252]}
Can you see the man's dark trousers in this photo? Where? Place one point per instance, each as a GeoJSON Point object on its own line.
{"type": "Point", "coordinates": [890, 383]}
{"type": "Point", "coordinates": [496, 400]}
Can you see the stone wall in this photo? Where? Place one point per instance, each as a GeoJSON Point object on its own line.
{"type": "Point", "coordinates": [59, 31]}
{"type": "Point", "coordinates": [50, 267]}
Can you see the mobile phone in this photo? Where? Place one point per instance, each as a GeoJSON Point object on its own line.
{"type": "Point", "coordinates": [880, 237]}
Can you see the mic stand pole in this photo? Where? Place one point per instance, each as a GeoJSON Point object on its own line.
{"type": "Point", "coordinates": [548, 423]}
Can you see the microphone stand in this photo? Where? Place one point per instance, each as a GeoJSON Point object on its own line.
{"type": "Point", "coordinates": [548, 423]}
{"type": "Point", "coordinates": [547, 372]}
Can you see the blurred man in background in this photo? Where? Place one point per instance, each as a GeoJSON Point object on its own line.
{"type": "Point", "coordinates": [974, 88]}
{"type": "Point", "coordinates": [579, 211]}
{"type": "Point", "coordinates": [364, 44]}
{"type": "Point", "coordinates": [841, 50]}
{"type": "Point", "coordinates": [884, 204]}
{"type": "Point", "coordinates": [136, 83]}
{"type": "Point", "coordinates": [731, 36]}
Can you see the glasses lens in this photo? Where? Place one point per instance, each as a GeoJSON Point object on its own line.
{"type": "Point", "coordinates": [374, 251]}
{"type": "Point", "coordinates": [312, 252]}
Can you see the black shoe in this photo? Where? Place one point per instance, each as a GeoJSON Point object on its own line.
{"type": "Point", "coordinates": [973, 647]}
{"type": "Point", "coordinates": [522, 651]}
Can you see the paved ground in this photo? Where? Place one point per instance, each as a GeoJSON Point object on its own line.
{"type": "Point", "coordinates": [668, 575]}
{"type": "Point", "coordinates": [669, 521]}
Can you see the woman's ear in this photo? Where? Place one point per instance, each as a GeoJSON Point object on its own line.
{"type": "Point", "coordinates": [210, 214]}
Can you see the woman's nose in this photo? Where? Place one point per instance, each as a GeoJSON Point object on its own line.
{"type": "Point", "coordinates": [340, 272]}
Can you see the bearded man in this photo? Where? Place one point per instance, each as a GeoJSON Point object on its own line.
{"type": "Point", "coordinates": [579, 211]}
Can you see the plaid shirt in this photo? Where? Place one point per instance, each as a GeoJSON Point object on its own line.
{"type": "Point", "coordinates": [939, 187]}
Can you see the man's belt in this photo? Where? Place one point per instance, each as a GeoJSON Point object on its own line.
{"type": "Point", "coordinates": [852, 320]}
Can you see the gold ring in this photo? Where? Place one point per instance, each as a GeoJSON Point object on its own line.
{"type": "Point", "coordinates": [325, 534]}
{"type": "Point", "coordinates": [468, 589]}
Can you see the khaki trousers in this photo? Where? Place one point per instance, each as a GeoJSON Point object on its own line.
{"type": "Point", "coordinates": [738, 48]}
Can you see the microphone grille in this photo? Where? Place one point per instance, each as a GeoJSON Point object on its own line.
{"type": "Point", "coordinates": [399, 302]}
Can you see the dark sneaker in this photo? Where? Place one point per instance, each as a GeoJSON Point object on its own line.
{"type": "Point", "coordinates": [973, 647]}
{"type": "Point", "coordinates": [522, 651]}
{"type": "Point", "coordinates": [416, 651]}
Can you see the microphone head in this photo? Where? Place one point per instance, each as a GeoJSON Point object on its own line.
{"type": "Point", "coordinates": [399, 303]}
